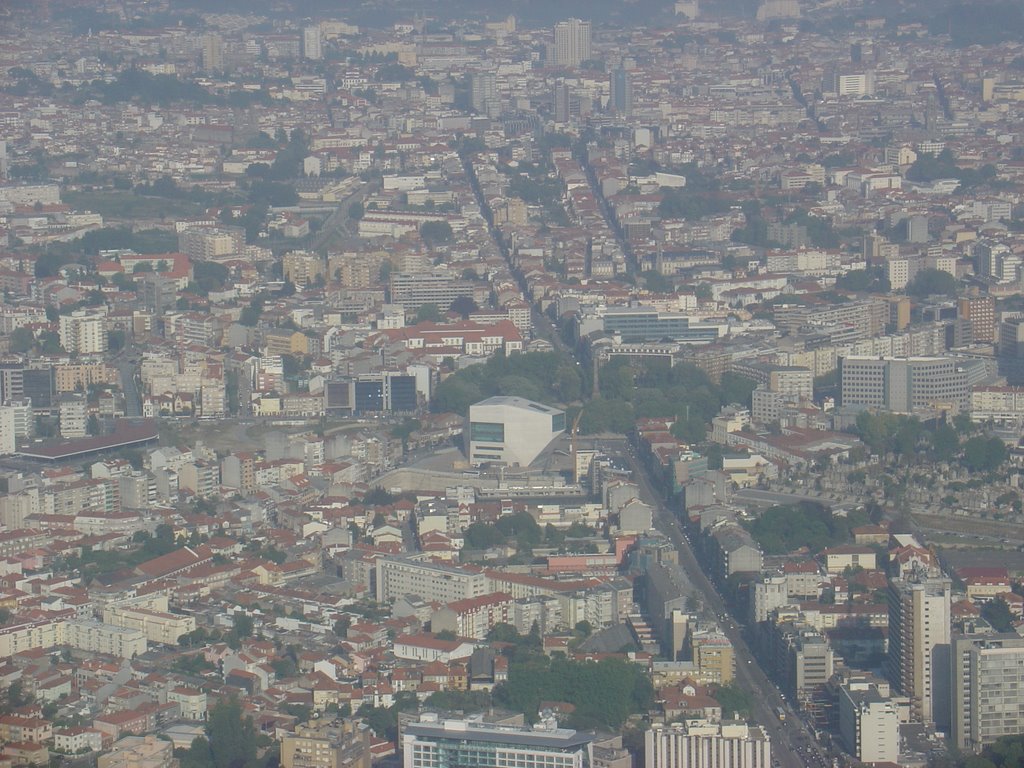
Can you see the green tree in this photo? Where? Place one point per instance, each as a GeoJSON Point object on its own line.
{"type": "Point", "coordinates": [783, 529]}
{"type": "Point", "coordinates": [250, 315]}
{"type": "Point", "coordinates": [984, 454]}
{"type": "Point", "coordinates": [735, 701]}
{"type": "Point", "coordinates": [534, 678]}
{"type": "Point", "coordinates": [21, 340]}
{"type": "Point", "coordinates": [736, 388]}
{"type": "Point", "coordinates": [932, 282]}
{"type": "Point", "coordinates": [341, 626]}
{"type": "Point", "coordinates": [242, 624]}
{"type": "Point", "coordinates": [232, 738]}
{"type": "Point", "coordinates": [428, 313]}
{"type": "Point", "coordinates": [464, 305]}
{"type": "Point", "coordinates": [116, 339]}
{"type": "Point", "coordinates": [997, 613]}
{"type": "Point", "coordinates": [503, 633]}
{"type": "Point", "coordinates": [945, 442]}
{"type": "Point", "coordinates": [436, 232]}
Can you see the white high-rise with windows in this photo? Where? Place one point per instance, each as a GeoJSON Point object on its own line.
{"type": "Point", "coordinates": [987, 685]}
{"type": "Point", "coordinates": [572, 43]}
{"type": "Point", "coordinates": [212, 52]}
{"type": "Point", "coordinates": [83, 333]}
{"type": "Point", "coordinates": [919, 635]}
{"type": "Point", "coordinates": [869, 723]}
{"type": "Point", "coordinates": [703, 744]}
{"type": "Point", "coordinates": [73, 415]}
{"type": "Point", "coordinates": [312, 48]}
{"type": "Point", "coordinates": [17, 422]}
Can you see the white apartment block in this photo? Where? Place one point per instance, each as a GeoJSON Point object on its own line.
{"type": "Point", "coordinates": [83, 333]}
{"type": "Point", "coordinates": [97, 637]}
{"type": "Point", "coordinates": [431, 581]}
{"type": "Point", "coordinates": [869, 724]}
{"type": "Point", "coordinates": [988, 675]}
{"type": "Point", "coordinates": [702, 744]}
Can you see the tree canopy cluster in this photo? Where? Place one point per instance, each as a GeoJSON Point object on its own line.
{"type": "Point", "coordinates": [932, 282]}
{"type": "Point", "coordinates": [1000, 21]}
{"type": "Point", "coordinates": [230, 741]}
{"type": "Point", "coordinates": [871, 280]}
{"type": "Point", "coordinates": [929, 167]}
{"type": "Point", "coordinates": [657, 390]}
{"type": "Point", "coordinates": [906, 437]}
{"type": "Point", "coordinates": [1007, 752]}
{"type": "Point", "coordinates": [697, 199]}
{"type": "Point", "coordinates": [984, 454]}
{"type": "Point", "coordinates": [524, 531]}
{"type": "Point", "coordinates": [139, 85]}
{"type": "Point", "coordinates": [997, 613]}
{"type": "Point", "coordinates": [783, 529]}
{"type": "Point", "coordinates": [604, 693]}
{"type": "Point", "coordinates": [546, 377]}
{"type": "Point", "coordinates": [436, 232]}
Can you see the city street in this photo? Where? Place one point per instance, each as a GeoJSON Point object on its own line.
{"type": "Point", "coordinates": [792, 744]}
{"type": "Point", "coordinates": [128, 370]}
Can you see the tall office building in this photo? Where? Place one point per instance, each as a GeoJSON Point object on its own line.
{"type": "Point", "coordinates": [919, 635]}
{"type": "Point", "coordinates": [413, 291]}
{"type": "Point", "coordinates": [311, 43]}
{"type": "Point", "coordinates": [688, 8]}
{"type": "Point", "coordinates": [907, 385]}
{"type": "Point", "coordinates": [567, 103]}
{"type": "Point", "coordinates": [621, 91]}
{"type": "Point", "coordinates": [432, 742]}
{"type": "Point", "coordinates": [981, 311]}
{"type": "Point", "coordinates": [701, 744]}
{"type": "Point", "coordinates": [987, 689]}
{"type": "Point", "coordinates": [572, 43]}
{"type": "Point", "coordinates": [483, 92]}
{"type": "Point", "coordinates": [213, 52]}
{"type": "Point", "coordinates": [1011, 350]}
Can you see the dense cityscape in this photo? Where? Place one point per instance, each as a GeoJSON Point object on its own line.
{"type": "Point", "coordinates": [453, 385]}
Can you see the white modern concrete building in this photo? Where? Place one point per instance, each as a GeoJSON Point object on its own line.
{"type": "Point", "coordinates": [702, 744]}
{"type": "Point", "coordinates": [572, 43]}
{"type": "Point", "coordinates": [907, 385]}
{"type": "Point", "coordinates": [510, 430]}
{"type": "Point", "coordinates": [432, 742]}
{"type": "Point", "coordinates": [987, 675]}
{"type": "Point", "coordinates": [919, 636]}
{"type": "Point", "coordinates": [869, 724]}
